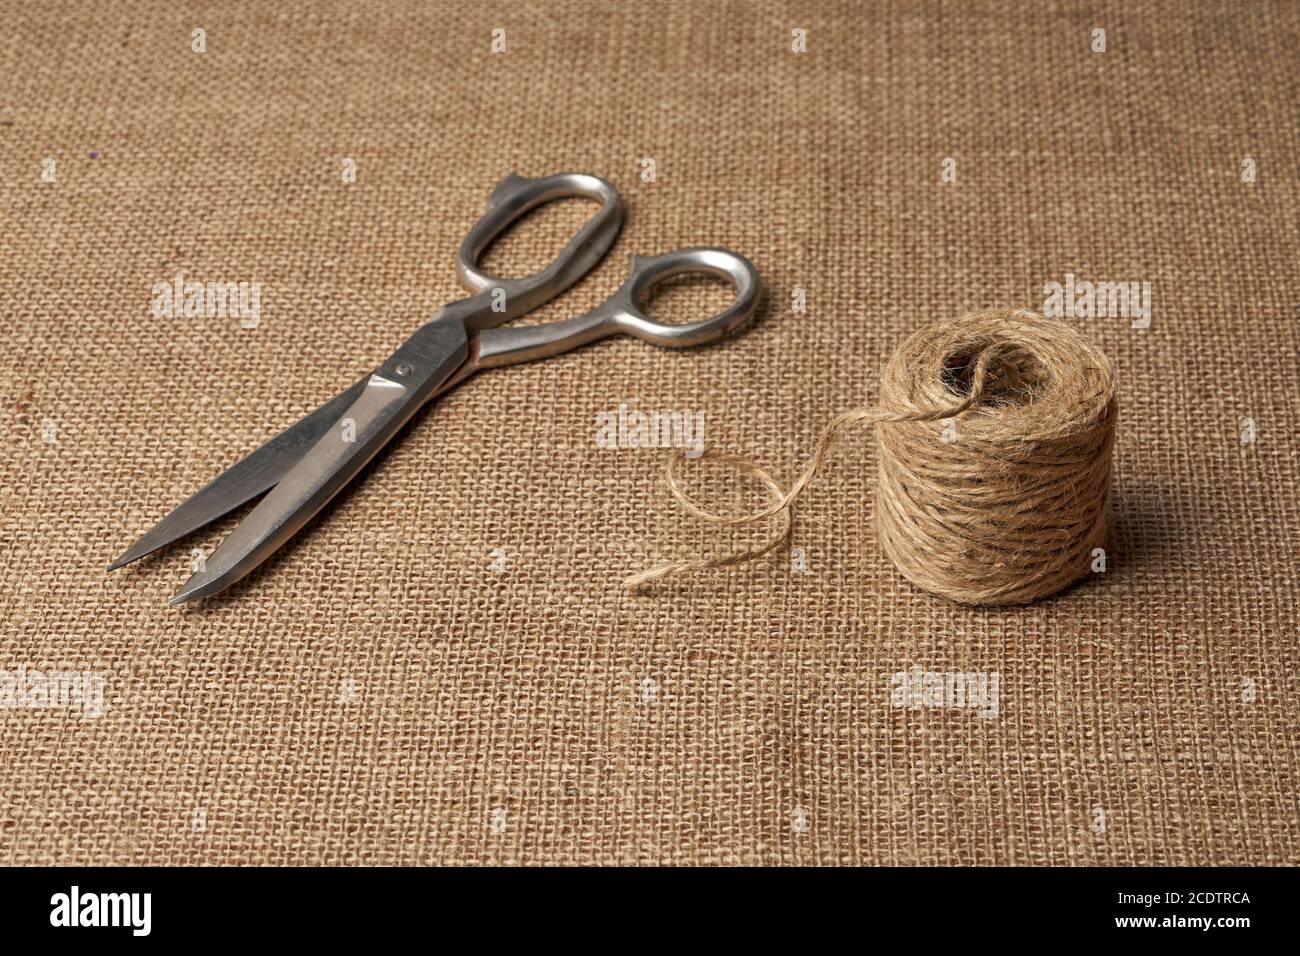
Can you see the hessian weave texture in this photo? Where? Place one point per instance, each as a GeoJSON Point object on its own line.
{"type": "Point", "coordinates": [445, 667]}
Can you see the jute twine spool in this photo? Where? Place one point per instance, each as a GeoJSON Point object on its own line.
{"type": "Point", "coordinates": [994, 435]}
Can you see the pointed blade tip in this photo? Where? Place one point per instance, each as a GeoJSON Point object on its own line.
{"type": "Point", "coordinates": [146, 545]}
{"type": "Point", "coordinates": [202, 584]}
{"type": "Point", "coordinates": [191, 589]}
{"type": "Point", "coordinates": [123, 559]}
{"type": "Point", "coordinates": [182, 596]}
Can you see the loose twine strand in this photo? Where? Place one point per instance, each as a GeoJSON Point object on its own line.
{"type": "Point", "coordinates": [1006, 513]}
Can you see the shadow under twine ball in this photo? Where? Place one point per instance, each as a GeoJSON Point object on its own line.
{"type": "Point", "coordinates": [994, 434]}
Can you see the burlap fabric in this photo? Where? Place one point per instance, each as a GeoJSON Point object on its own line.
{"type": "Point", "coordinates": [380, 694]}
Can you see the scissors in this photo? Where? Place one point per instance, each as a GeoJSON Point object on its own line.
{"type": "Point", "coordinates": [308, 463]}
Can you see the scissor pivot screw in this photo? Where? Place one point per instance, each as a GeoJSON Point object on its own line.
{"type": "Point", "coordinates": [403, 370]}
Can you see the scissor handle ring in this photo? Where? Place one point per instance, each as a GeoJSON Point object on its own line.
{"type": "Point", "coordinates": [648, 271]}
{"type": "Point", "coordinates": [512, 199]}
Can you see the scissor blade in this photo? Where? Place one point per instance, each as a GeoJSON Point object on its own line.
{"type": "Point", "coordinates": [244, 480]}
{"type": "Point", "coordinates": [384, 405]}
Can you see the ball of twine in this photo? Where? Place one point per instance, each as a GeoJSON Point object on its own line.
{"type": "Point", "coordinates": [994, 434]}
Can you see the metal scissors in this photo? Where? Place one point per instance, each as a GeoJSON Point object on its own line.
{"type": "Point", "coordinates": [309, 462]}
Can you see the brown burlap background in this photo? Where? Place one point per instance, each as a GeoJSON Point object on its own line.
{"type": "Point", "coordinates": [378, 694]}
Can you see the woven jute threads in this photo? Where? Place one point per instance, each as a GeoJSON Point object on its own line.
{"type": "Point", "coordinates": [994, 434]}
